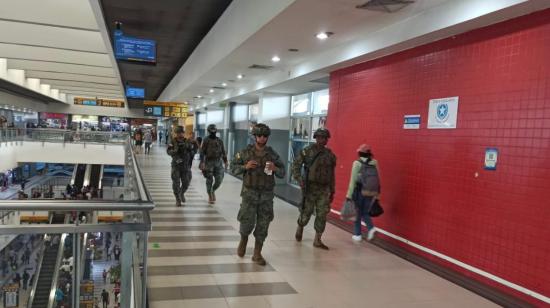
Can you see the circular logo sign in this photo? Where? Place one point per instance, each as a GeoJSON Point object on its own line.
{"type": "Point", "coordinates": [442, 113]}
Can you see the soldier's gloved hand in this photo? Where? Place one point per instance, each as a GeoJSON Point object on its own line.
{"type": "Point", "coordinates": [251, 164]}
{"type": "Point", "coordinates": [170, 145]}
{"type": "Point", "coordinates": [201, 166]}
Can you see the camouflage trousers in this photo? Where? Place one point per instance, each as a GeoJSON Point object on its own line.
{"type": "Point", "coordinates": [181, 177]}
{"type": "Point", "coordinates": [213, 172]}
{"type": "Point", "coordinates": [318, 200]}
{"type": "Point", "coordinates": [255, 215]}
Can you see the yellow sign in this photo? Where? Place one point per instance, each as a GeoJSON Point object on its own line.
{"type": "Point", "coordinates": [98, 102]}
{"type": "Point", "coordinates": [170, 109]}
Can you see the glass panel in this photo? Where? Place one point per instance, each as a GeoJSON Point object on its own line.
{"type": "Point", "coordinates": [301, 128]}
{"type": "Point", "coordinates": [253, 112]}
{"type": "Point", "coordinates": [317, 122]}
{"type": "Point", "coordinates": [300, 104]}
{"type": "Point", "coordinates": [320, 102]}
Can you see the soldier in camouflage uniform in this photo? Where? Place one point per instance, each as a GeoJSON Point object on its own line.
{"type": "Point", "coordinates": [313, 168]}
{"type": "Point", "coordinates": [259, 164]}
{"type": "Point", "coordinates": [212, 154]}
{"type": "Point", "coordinates": [180, 149]}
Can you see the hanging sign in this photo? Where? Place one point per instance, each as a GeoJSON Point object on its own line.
{"type": "Point", "coordinates": [443, 113]}
{"type": "Point", "coordinates": [491, 156]}
{"type": "Point", "coordinates": [411, 121]}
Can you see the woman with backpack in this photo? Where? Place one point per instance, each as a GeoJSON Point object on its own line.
{"type": "Point", "coordinates": [364, 189]}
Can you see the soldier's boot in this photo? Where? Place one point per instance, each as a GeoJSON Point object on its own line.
{"type": "Point", "coordinates": [178, 202]}
{"type": "Point", "coordinates": [318, 243]}
{"type": "Point", "coordinates": [257, 257]}
{"type": "Point", "coordinates": [241, 250]}
{"type": "Point", "coordinates": [299, 233]}
{"type": "Point", "coordinates": [210, 198]}
{"type": "Point", "coordinates": [213, 196]}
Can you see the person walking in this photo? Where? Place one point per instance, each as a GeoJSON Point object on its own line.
{"type": "Point", "coordinates": [213, 162]}
{"type": "Point", "coordinates": [317, 184]}
{"type": "Point", "coordinates": [363, 169]}
{"type": "Point", "coordinates": [259, 164]}
{"type": "Point", "coordinates": [180, 149]}
{"type": "Point", "coordinates": [148, 138]}
{"type": "Point", "coordinates": [105, 298]}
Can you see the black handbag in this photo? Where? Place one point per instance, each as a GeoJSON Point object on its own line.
{"type": "Point", "coordinates": [376, 209]}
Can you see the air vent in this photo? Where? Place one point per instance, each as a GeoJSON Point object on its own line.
{"type": "Point", "coordinates": [260, 67]}
{"type": "Point", "coordinates": [219, 88]}
{"type": "Point", "coordinates": [387, 6]}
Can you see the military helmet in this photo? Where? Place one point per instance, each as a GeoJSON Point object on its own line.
{"type": "Point", "coordinates": [179, 129]}
{"type": "Point", "coordinates": [212, 128]}
{"type": "Point", "coordinates": [321, 132]}
{"type": "Point", "coordinates": [261, 129]}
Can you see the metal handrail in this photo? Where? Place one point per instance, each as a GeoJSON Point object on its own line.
{"type": "Point", "coordinates": [55, 278]}
{"type": "Point", "coordinates": [36, 274]}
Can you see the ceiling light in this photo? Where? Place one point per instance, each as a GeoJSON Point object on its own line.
{"type": "Point", "coordinates": [275, 59]}
{"type": "Point", "coordinates": [211, 90]}
{"type": "Point", "coordinates": [323, 35]}
{"type": "Point", "coordinates": [240, 76]}
{"type": "Point", "coordinates": [224, 84]}
{"type": "Point", "coordinates": [199, 96]}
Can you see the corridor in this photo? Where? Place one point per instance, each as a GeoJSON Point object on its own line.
{"type": "Point", "coordinates": [193, 260]}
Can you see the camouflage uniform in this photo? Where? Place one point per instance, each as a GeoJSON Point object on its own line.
{"type": "Point", "coordinates": [213, 158]}
{"type": "Point", "coordinates": [256, 212]}
{"type": "Point", "coordinates": [319, 186]}
{"type": "Point", "coordinates": [181, 169]}
{"type": "Point", "coordinates": [317, 182]}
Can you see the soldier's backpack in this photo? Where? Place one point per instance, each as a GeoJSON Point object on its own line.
{"type": "Point", "coordinates": [369, 179]}
{"type": "Point", "coordinates": [213, 148]}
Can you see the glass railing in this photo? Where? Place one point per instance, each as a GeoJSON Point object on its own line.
{"type": "Point", "coordinates": [61, 135]}
{"type": "Point", "coordinates": [126, 221]}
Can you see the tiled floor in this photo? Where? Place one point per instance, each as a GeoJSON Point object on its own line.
{"type": "Point", "coordinates": [193, 261]}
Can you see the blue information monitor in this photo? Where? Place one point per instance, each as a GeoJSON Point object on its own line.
{"type": "Point", "coordinates": [134, 49]}
{"type": "Point", "coordinates": [132, 92]}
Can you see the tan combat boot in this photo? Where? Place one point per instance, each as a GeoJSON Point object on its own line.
{"type": "Point", "coordinates": [317, 242]}
{"type": "Point", "coordinates": [241, 250]}
{"type": "Point", "coordinates": [257, 257]}
{"type": "Point", "coordinates": [299, 233]}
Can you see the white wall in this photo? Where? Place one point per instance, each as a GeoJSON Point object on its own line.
{"type": "Point", "coordinates": [275, 111]}
{"type": "Point", "coordinates": [69, 153]}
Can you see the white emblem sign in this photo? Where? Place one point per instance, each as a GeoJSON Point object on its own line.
{"type": "Point", "coordinates": [443, 112]}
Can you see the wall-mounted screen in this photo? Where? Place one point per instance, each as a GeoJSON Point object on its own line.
{"type": "Point", "coordinates": [132, 92]}
{"type": "Point", "coordinates": [134, 49]}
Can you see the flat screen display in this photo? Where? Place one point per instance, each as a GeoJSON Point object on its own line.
{"type": "Point", "coordinates": [134, 49]}
{"type": "Point", "coordinates": [132, 92]}
{"type": "Point", "coordinates": [155, 111]}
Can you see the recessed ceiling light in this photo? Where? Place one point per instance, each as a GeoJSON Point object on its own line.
{"type": "Point", "coordinates": [224, 84]}
{"type": "Point", "coordinates": [240, 76]}
{"type": "Point", "coordinates": [323, 35]}
{"type": "Point", "coordinates": [275, 59]}
{"type": "Point", "coordinates": [199, 96]}
{"type": "Point", "coordinates": [211, 90]}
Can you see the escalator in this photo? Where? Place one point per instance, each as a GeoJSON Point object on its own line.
{"type": "Point", "coordinates": [79, 177]}
{"type": "Point", "coordinates": [95, 176]}
{"type": "Point", "coordinates": [48, 266]}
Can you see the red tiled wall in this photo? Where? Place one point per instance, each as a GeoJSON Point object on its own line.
{"type": "Point", "coordinates": [498, 222]}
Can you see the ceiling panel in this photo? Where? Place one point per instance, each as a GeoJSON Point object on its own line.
{"type": "Point", "coordinates": [60, 83]}
{"type": "Point", "coordinates": [56, 37]}
{"type": "Point", "coordinates": [68, 13]}
{"type": "Point", "coordinates": [61, 68]}
{"type": "Point", "coordinates": [56, 55]}
{"type": "Point", "coordinates": [176, 26]}
{"type": "Point", "coordinates": [72, 77]}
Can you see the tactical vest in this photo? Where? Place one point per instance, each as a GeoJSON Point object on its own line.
{"type": "Point", "coordinates": [213, 148]}
{"type": "Point", "coordinates": [322, 170]}
{"type": "Point", "coordinates": [256, 178]}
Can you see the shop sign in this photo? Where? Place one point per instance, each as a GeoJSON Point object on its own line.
{"type": "Point", "coordinates": [411, 121]}
{"type": "Point", "coordinates": [443, 113]}
{"type": "Point", "coordinates": [11, 295]}
{"type": "Point", "coordinates": [98, 102]}
{"type": "Point", "coordinates": [491, 157]}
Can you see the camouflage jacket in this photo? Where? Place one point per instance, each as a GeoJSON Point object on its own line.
{"type": "Point", "coordinates": [257, 179]}
{"type": "Point", "coordinates": [181, 151]}
{"type": "Point", "coordinates": [320, 163]}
